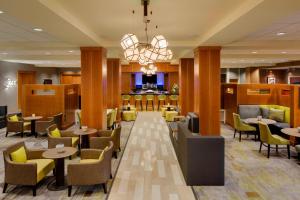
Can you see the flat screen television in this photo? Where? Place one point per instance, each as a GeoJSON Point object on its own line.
{"type": "Point", "coordinates": [149, 79]}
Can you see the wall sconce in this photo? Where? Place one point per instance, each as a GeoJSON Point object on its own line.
{"type": "Point", "coordinates": [10, 83]}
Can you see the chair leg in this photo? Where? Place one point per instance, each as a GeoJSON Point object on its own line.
{"type": "Point", "coordinates": [115, 155]}
{"type": "Point", "coordinates": [269, 147]}
{"type": "Point", "coordinates": [104, 187]}
{"type": "Point", "coordinates": [34, 190]}
{"type": "Point", "coordinates": [240, 136]}
{"type": "Point", "coordinates": [70, 157]}
{"type": "Point", "coordinates": [234, 133]}
{"type": "Point", "coordinates": [276, 148]}
{"type": "Point", "coordinates": [119, 148]}
{"type": "Point", "coordinates": [152, 105]}
{"type": "Point", "coordinates": [289, 153]}
{"type": "Point", "coordinates": [6, 134]}
{"type": "Point", "coordinates": [22, 134]}
{"type": "Point", "coordinates": [147, 105]}
{"type": "Point", "coordinates": [111, 176]}
{"type": "Point", "coordinates": [69, 190]}
{"type": "Point", "coordinates": [5, 187]}
{"type": "Point", "coordinates": [141, 103]}
{"type": "Point", "coordinates": [260, 146]}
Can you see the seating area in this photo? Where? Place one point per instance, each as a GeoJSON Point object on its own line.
{"type": "Point", "coordinates": [150, 100]}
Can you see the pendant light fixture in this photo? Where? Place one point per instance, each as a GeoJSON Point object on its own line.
{"type": "Point", "coordinates": [145, 53]}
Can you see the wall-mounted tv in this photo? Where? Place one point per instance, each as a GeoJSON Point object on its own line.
{"type": "Point", "coordinates": [149, 79]}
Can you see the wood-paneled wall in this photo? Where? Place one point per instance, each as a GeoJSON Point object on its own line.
{"type": "Point", "coordinates": [93, 87]}
{"type": "Point", "coordinates": [126, 82]}
{"type": "Point", "coordinates": [173, 78]}
{"type": "Point", "coordinates": [161, 67]}
{"type": "Point", "coordinates": [113, 83]}
{"type": "Point", "coordinates": [49, 100]}
{"type": "Point", "coordinates": [24, 77]}
{"type": "Point", "coordinates": [186, 85]}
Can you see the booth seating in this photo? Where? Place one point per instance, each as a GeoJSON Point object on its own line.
{"type": "Point", "coordinates": [252, 111]}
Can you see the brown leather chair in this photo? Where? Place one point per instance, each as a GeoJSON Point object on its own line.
{"type": "Point", "coordinates": [108, 135]}
{"type": "Point", "coordinates": [16, 126]}
{"type": "Point", "coordinates": [27, 173]}
{"type": "Point", "coordinates": [68, 138]}
{"type": "Point", "coordinates": [42, 125]}
{"type": "Point", "coordinates": [93, 168]}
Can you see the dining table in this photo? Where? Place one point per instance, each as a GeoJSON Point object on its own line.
{"type": "Point", "coordinates": [32, 120]}
{"type": "Point", "coordinates": [59, 155]}
{"type": "Point", "coordinates": [254, 121]}
{"type": "Point", "coordinates": [83, 136]}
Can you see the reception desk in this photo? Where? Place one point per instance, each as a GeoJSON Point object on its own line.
{"type": "Point", "coordinates": [144, 94]}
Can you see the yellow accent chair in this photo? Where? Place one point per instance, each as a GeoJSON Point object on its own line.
{"type": "Point", "coordinates": [170, 115]}
{"type": "Point", "coordinates": [150, 99]}
{"type": "Point", "coordinates": [173, 98]}
{"type": "Point", "coordinates": [266, 137]}
{"type": "Point", "coordinates": [241, 127]}
{"type": "Point", "coordinates": [138, 99]}
{"type": "Point", "coordinates": [25, 167]}
{"type": "Point", "coordinates": [129, 115]}
{"type": "Point", "coordinates": [16, 124]}
{"type": "Point", "coordinates": [161, 98]}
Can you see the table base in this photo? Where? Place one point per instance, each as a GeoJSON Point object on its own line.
{"type": "Point", "coordinates": [53, 187]}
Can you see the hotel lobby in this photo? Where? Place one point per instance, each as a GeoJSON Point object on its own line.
{"type": "Point", "coordinates": [150, 100]}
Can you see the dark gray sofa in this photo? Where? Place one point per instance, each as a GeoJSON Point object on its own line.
{"type": "Point", "coordinates": [201, 158]}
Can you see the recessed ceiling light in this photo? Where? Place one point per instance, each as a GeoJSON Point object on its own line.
{"type": "Point", "coordinates": [71, 51]}
{"type": "Point", "coordinates": [254, 51]}
{"type": "Point", "coordinates": [4, 53]}
{"type": "Point", "coordinates": [1, 12]}
{"type": "Point", "coordinates": [283, 52]}
{"type": "Point", "coordinates": [48, 53]}
{"type": "Point", "coordinates": [38, 29]}
{"type": "Point", "coordinates": [280, 33]}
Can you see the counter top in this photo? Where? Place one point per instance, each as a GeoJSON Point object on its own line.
{"type": "Point", "coordinates": [146, 93]}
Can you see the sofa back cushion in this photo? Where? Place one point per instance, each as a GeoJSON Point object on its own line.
{"type": "Point", "coordinates": [276, 114]}
{"type": "Point", "coordinates": [19, 155]}
{"type": "Point", "coordinates": [249, 111]}
{"type": "Point", "coordinates": [284, 108]}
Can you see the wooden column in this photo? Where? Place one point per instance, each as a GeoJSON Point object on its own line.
{"type": "Point", "coordinates": [93, 87]}
{"type": "Point", "coordinates": [207, 88]}
{"type": "Point", "coordinates": [186, 85]}
{"type": "Point", "coordinates": [252, 75]}
{"type": "Point", "coordinates": [113, 83]}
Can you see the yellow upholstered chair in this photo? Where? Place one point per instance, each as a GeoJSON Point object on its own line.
{"type": "Point", "coordinates": [266, 137]}
{"type": "Point", "coordinates": [170, 115]}
{"type": "Point", "coordinates": [174, 98]}
{"type": "Point", "coordinates": [129, 115]}
{"type": "Point", "coordinates": [161, 98]}
{"type": "Point", "coordinates": [138, 99]}
{"type": "Point", "coordinates": [16, 124]}
{"type": "Point", "coordinates": [240, 126]}
{"type": "Point", "coordinates": [25, 167]}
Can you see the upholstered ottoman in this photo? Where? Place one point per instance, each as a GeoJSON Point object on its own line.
{"type": "Point", "coordinates": [170, 115]}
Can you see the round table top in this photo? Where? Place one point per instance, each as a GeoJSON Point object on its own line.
{"type": "Point", "coordinates": [32, 118]}
{"type": "Point", "coordinates": [291, 132]}
{"type": "Point", "coordinates": [57, 153]}
{"type": "Point", "coordinates": [255, 121]}
{"type": "Point", "coordinates": [85, 132]}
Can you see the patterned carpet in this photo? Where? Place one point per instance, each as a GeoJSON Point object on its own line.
{"type": "Point", "coordinates": [21, 192]}
{"type": "Point", "coordinates": [251, 175]}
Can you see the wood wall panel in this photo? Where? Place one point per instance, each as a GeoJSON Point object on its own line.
{"type": "Point", "coordinates": [113, 83]}
{"type": "Point", "coordinates": [208, 80]}
{"type": "Point", "coordinates": [295, 106]}
{"type": "Point", "coordinates": [173, 78]}
{"type": "Point", "coordinates": [24, 77]}
{"type": "Point", "coordinates": [93, 87]}
{"type": "Point", "coordinates": [126, 82]}
{"type": "Point", "coordinates": [49, 100]}
{"type": "Point", "coordinates": [186, 85]}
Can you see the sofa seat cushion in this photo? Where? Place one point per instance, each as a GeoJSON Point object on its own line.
{"type": "Point", "coordinates": [19, 155]}
{"type": "Point", "coordinates": [44, 166]}
{"type": "Point", "coordinates": [281, 125]}
{"type": "Point", "coordinates": [75, 141]}
{"type": "Point", "coordinates": [279, 140]}
{"type": "Point", "coordinates": [249, 111]}
{"type": "Point", "coordinates": [88, 161]}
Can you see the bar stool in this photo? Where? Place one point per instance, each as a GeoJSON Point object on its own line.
{"type": "Point", "coordinates": [160, 98]}
{"type": "Point", "coordinates": [150, 98]}
{"type": "Point", "coordinates": [174, 98]}
{"type": "Point", "coordinates": [138, 98]}
{"type": "Point", "coordinates": [125, 98]}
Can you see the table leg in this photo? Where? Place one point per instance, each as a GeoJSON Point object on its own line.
{"type": "Point", "coordinates": [33, 128]}
{"type": "Point", "coordinates": [59, 183]}
{"type": "Point", "coordinates": [85, 141]}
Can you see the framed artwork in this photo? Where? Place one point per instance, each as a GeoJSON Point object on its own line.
{"type": "Point", "coordinates": [271, 80]}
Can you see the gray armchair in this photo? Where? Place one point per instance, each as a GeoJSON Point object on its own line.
{"type": "Point", "coordinates": [42, 125]}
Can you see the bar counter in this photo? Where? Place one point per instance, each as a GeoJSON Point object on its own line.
{"type": "Point", "coordinates": [155, 93]}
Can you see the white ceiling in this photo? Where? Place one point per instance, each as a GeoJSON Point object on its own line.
{"type": "Point", "coordinates": [241, 27]}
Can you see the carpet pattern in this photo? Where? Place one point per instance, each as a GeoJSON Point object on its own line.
{"type": "Point", "coordinates": [251, 175]}
{"type": "Point", "coordinates": [23, 192]}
